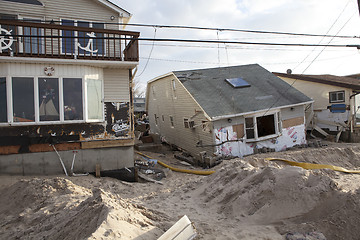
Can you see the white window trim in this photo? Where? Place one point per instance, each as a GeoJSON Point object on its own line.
{"type": "Point", "coordinates": [336, 92]}
{"type": "Point", "coordinates": [277, 126]}
{"type": "Point", "coordinates": [37, 121]}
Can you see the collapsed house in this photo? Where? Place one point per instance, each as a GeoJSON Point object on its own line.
{"type": "Point", "coordinates": [336, 107]}
{"type": "Point", "coordinates": [227, 111]}
{"type": "Point", "coordinates": [66, 71]}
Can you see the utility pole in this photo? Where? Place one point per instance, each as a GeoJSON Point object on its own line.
{"type": "Point", "coordinates": [359, 5]}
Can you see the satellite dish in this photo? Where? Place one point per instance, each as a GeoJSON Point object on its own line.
{"type": "Point", "coordinates": [288, 71]}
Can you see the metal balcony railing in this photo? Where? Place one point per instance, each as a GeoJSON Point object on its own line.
{"type": "Point", "coordinates": [46, 40]}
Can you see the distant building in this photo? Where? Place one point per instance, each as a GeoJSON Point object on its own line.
{"type": "Point", "coordinates": [139, 106]}
{"type": "Point", "coordinates": [228, 111]}
{"type": "Point", "coordinates": [336, 100]}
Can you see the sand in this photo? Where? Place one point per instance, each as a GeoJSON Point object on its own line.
{"type": "Point", "coordinates": [248, 198]}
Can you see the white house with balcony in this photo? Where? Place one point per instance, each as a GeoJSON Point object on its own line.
{"type": "Point", "coordinates": [65, 86]}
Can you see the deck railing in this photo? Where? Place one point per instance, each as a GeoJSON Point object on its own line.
{"type": "Point", "coordinates": [47, 40]}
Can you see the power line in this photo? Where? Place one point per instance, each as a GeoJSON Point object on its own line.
{"type": "Point", "coordinates": [325, 34]}
{"type": "Point", "coordinates": [197, 41]}
{"type": "Point", "coordinates": [213, 29]}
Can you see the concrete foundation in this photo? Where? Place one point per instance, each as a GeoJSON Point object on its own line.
{"type": "Point", "coordinates": [48, 163]}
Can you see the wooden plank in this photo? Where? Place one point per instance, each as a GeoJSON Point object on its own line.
{"type": "Point", "coordinates": [339, 134]}
{"type": "Point", "coordinates": [4, 150]}
{"type": "Point", "coordinates": [317, 128]}
{"type": "Point", "coordinates": [48, 148]}
{"type": "Point", "coordinates": [239, 129]}
{"type": "Point", "coordinates": [97, 170]}
{"type": "Point", "coordinates": [309, 119]}
{"type": "Point", "coordinates": [107, 143]}
{"type": "Point", "coordinates": [292, 122]}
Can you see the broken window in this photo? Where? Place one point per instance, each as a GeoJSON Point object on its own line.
{"type": "Point", "coordinates": [265, 125]}
{"type": "Point", "coordinates": [49, 99]}
{"type": "Point", "coordinates": [262, 126]}
{"type": "Point", "coordinates": [3, 104]}
{"type": "Point", "coordinates": [73, 99]}
{"type": "Point", "coordinates": [336, 97]}
{"type": "Point", "coordinates": [23, 99]}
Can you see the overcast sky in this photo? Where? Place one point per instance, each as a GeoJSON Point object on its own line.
{"type": "Point", "coordinates": [333, 17]}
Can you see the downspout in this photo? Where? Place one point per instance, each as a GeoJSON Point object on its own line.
{"type": "Point", "coordinates": [131, 104]}
{"type": "Point", "coordinates": [353, 115]}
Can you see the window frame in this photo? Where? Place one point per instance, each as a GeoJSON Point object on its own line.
{"type": "Point", "coordinates": [172, 125]}
{"type": "Point", "coordinates": [337, 96]}
{"type": "Point", "coordinates": [10, 110]}
{"type": "Point", "coordinates": [277, 126]}
{"type": "Point", "coordinates": [42, 33]}
{"type": "Point", "coordinates": [76, 39]}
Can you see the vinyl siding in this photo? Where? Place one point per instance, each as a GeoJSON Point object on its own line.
{"type": "Point", "coordinates": [116, 85]}
{"type": "Point", "coordinates": [86, 10]}
{"type": "Point", "coordinates": [162, 102]}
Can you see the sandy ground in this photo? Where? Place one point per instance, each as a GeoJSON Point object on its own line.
{"type": "Point", "coordinates": [247, 198]}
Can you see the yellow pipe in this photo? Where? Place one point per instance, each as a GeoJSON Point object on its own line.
{"type": "Point", "coordinates": [178, 169]}
{"type": "Point", "coordinates": [314, 165]}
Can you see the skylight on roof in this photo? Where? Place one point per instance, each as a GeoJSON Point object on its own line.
{"type": "Point", "coordinates": [237, 82]}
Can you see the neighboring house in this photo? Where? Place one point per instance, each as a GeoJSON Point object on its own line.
{"type": "Point", "coordinates": [226, 111]}
{"type": "Point", "coordinates": [65, 72]}
{"type": "Point", "coordinates": [336, 100]}
{"type": "Point", "coordinates": [139, 106]}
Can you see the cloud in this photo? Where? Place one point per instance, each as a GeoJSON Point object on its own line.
{"type": "Point", "coordinates": [307, 16]}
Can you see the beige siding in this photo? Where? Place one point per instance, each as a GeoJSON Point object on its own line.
{"type": "Point", "coordinates": [116, 85]}
{"type": "Point", "coordinates": [318, 92]}
{"type": "Point", "coordinates": [162, 102]}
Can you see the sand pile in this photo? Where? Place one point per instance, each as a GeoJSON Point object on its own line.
{"type": "Point", "coordinates": [248, 198]}
{"type": "Point", "coordinates": [58, 209]}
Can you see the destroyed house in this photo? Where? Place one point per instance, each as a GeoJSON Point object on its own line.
{"type": "Point", "coordinates": [336, 103]}
{"type": "Point", "coordinates": [227, 111]}
{"type": "Point", "coordinates": [65, 86]}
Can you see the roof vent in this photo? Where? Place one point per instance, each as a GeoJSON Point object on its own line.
{"type": "Point", "coordinates": [237, 82]}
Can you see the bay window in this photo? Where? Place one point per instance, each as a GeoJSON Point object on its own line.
{"type": "Point", "coordinates": [44, 100]}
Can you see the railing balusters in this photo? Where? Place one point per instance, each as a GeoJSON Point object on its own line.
{"type": "Point", "coordinates": [39, 39]}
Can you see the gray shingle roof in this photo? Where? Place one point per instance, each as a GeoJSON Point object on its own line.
{"type": "Point", "coordinates": [218, 98]}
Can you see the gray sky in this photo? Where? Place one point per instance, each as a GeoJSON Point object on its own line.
{"type": "Point", "coordinates": [332, 17]}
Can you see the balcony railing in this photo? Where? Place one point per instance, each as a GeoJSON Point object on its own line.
{"type": "Point", "coordinates": [43, 40]}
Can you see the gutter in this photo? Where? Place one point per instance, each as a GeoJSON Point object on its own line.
{"type": "Point", "coordinates": [259, 111]}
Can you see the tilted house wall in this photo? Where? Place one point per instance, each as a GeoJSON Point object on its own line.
{"type": "Point", "coordinates": [65, 85]}
{"type": "Point", "coordinates": [168, 105]}
{"type": "Point", "coordinates": [236, 121]}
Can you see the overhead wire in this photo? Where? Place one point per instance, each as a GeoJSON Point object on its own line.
{"type": "Point", "coordinates": [211, 29]}
{"type": "Point", "coordinates": [332, 25]}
